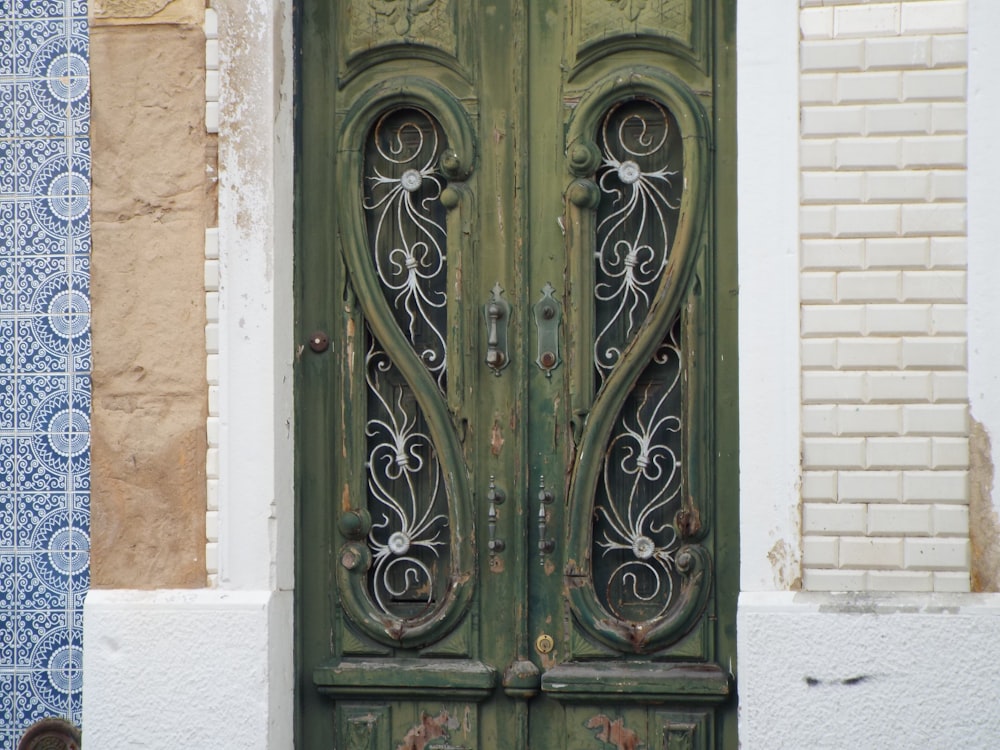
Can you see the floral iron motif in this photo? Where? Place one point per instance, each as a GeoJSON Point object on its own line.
{"type": "Point", "coordinates": [633, 233]}
{"type": "Point", "coordinates": [405, 483]}
{"type": "Point", "coordinates": [407, 235]}
{"type": "Point", "coordinates": [406, 224]}
{"type": "Point", "coordinates": [641, 474]}
{"type": "Point", "coordinates": [640, 492]}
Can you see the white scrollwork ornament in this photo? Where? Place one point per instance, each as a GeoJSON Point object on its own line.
{"type": "Point", "coordinates": [405, 487]}
{"type": "Point", "coordinates": [641, 484]}
{"type": "Point", "coordinates": [408, 236]}
{"type": "Point", "coordinates": [633, 246]}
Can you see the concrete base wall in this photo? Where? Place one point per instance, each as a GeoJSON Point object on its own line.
{"type": "Point", "coordinates": [193, 669]}
{"type": "Point", "coordinates": [866, 671]}
{"type": "Point", "coordinates": [815, 670]}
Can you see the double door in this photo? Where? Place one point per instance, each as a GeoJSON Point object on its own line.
{"type": "Point", "coordinates": [516, 389]}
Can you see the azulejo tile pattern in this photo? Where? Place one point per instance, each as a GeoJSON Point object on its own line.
{"type": "Point", "coordinates": [44, 359]}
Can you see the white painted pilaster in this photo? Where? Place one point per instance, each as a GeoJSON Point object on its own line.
{"type": "Point", "coordinates": [984, 222]}
{"type": "Point", "coordinates": [768, 163]}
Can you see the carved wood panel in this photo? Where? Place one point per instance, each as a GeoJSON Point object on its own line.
{"type": "Point", "coordinates": [602, 26]}
{"type": "Point", "coordinates": [372, 30]}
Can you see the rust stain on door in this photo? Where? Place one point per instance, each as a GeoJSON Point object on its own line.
{"type": "Point", "coordinates": [496, 438]}
{"type": "Point", "coordinates": [614, 733]}
{"type": "Point", "coordinates": [429, 728]}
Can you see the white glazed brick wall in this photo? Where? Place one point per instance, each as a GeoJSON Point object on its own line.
{"type": "Point", "coordinates": [883, 282]}
{"type": "Point", "coordinates": [212, 312]}
{"type": "Point", "coordinates": [212, 374]}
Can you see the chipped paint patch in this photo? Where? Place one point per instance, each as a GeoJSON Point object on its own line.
{"type": "Point", "coordinates": [614, 733]}
{"type": "Point", "coordinates": [785, 566]}
{"type": "Point", "coordinates": [496, 438]}
{"type": "Point", "coordinates": [984, 525]}
{"type": "Point", "coordinates": [430, 728]}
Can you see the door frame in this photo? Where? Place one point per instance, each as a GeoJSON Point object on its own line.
{"type": "Point", "coordinates": [724, 281]}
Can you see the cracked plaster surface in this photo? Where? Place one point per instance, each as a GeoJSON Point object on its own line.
{"type": "Point", "coordinates": [148, 11]}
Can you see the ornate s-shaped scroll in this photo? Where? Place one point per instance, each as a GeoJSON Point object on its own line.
{"type": "Point", "coordinates": [636, 583]}
{"type": "Point", "coordinates": [408, 580]}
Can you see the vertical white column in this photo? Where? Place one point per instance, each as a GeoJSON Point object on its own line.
{"type": "Point", "coordinates": [256, 313]}
{"type": "Point", "coordinates": [984, 222]}
{"type": "Point", "coordinates": [256, 158]}
{"type": "Point", "coordinates": [767, 145]}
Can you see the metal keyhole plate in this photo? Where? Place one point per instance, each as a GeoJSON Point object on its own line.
{"type": "Point", "coordinates": [544, 643]}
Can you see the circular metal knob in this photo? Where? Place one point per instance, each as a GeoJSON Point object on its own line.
{"type": "Point", "coordinates": [544, 643]}
{"type": "Point", "coordinates": [319, 342]}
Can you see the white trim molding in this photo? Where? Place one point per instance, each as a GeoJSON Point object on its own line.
{"type": "Point", "coordinates": [767, 88]}
{"type": "Point", "coordinates": [984, 223]}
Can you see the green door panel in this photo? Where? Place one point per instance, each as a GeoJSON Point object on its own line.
{"type": "Point", "coordinates": [516, 462]}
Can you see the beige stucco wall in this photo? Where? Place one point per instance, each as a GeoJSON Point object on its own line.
{"type": "Point", "coordinates": [151, 205]}
{"type": "Point", "coordinates": [131, 12]}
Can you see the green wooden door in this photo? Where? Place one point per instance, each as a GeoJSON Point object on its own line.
{"type": "Point", "coordinates": [516, 425]}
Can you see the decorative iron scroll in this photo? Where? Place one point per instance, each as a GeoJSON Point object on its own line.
{"type": "Point", "coordinates": [640, 198]}
{"type": "Point", "coordinates": [637, 572]}
{"type": "Point", "coordinates": [406, 495]}
{"type": "Point", "coordinates": [406, 227]}
{"type": "Point", "coordinates": [407, 236]}
{"type": "Point", "coordinates": [640, 493]}
{"type": "Point", "coordinates": [641, 480]}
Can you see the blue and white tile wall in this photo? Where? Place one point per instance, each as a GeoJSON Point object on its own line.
{"type": "Point", "coordinates": [45, 359]}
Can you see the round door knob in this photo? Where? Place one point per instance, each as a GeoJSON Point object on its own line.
{"type": "Point", "coordinates": [544, 643]}
{"type": "Point", "coordinates": [319, 342]}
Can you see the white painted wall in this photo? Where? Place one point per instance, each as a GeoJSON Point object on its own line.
{"type": "Point", "coordinates": [256, 307]}
{"type": "Point", "coordinates": [185, 669]}
{"type": "Point", "coordinates": [865, 671]}
{"type": "Point", "coordinates": [984, 222]}
{"type": "Point", "coordinates": [885, 670]}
